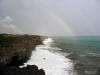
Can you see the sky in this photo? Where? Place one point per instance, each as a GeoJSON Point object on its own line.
{"type": "Point", "coordinates": [50, 17]}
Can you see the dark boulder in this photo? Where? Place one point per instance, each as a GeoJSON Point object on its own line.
{"type": "Point", "coordinates": [29, 70]}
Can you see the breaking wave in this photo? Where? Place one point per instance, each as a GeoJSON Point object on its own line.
{"type": "Point", "coordinates": [54, 63]}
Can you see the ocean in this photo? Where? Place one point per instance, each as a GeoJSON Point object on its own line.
{"type": "Point", "coordinates": [84, 51]}
{"type": "Point", "coordinates": [68, 56]}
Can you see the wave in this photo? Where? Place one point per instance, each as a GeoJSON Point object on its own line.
{"type": "Point", "coordinates": [54, 63]}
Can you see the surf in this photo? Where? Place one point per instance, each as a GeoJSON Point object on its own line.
{"type": "Point", "coordinates": [54, 63]}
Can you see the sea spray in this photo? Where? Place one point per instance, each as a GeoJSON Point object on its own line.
{"type": "Point", "coordinates": [53, 63]}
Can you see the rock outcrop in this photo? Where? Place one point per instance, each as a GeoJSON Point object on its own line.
{"type": "Point", "coordinates": [29, 70]}
{"type": "Point", "coordinates": [15, 50]}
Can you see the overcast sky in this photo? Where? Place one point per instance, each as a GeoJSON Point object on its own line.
{"type": "Point", "coordinates": [39, 17]}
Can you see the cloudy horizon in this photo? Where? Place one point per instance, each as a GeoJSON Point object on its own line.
{"type": "Point", "coordinates": [39, 17]}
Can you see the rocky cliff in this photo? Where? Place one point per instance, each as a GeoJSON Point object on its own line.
{"type": "Point", "coordinates": [16, 49]}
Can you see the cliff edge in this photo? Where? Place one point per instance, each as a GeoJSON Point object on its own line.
{"type": "Point", "coordinates": [16, 49]}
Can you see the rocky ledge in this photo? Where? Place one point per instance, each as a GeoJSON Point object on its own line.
{"type": "Point", "coordinates": [16, 49]}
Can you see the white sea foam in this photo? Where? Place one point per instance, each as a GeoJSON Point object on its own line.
{"type": "Point", "coordinates": [52, 63]}
{"type": "Point", "coordinates": [47, 42]}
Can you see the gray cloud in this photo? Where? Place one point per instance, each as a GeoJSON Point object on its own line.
{"type": "Point", "coordinates": [82, 15]}
{"type": "Point", "coordinates": [34, 17]}
{"type": "Point", "coordinates": [7, 26]}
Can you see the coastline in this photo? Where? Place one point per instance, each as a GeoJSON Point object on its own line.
{"type": "Point", "coordinates": [16, 49]}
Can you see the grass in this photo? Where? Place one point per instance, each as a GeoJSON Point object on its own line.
{"type": "Point", "coordinates": [11, 35]}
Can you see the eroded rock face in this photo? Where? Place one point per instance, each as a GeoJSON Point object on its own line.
{"type": "Point", "coordinates": [14, 51]}
{"type": "Point", "coordinates": [19, 46]}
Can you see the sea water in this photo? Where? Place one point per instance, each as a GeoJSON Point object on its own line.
{"type": "Point", "coordinates": [84, 51]}
{"type": "Point", "coordinates": [68, 56]}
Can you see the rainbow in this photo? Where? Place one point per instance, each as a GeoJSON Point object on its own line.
{"type": "Point", "coordinates": [69, 29]}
